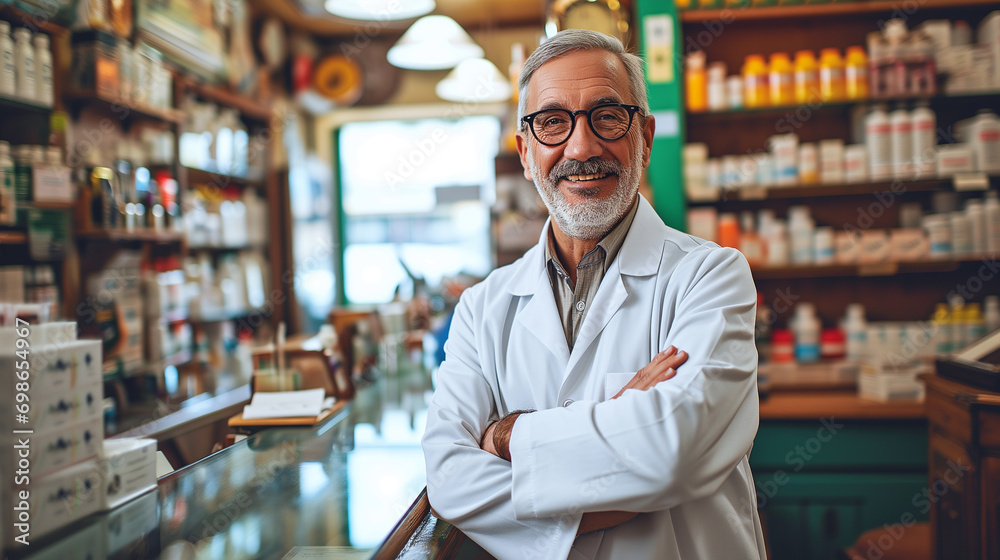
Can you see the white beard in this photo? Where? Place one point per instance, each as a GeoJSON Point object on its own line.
{"type": "Point", "coordinates": [595, 217]}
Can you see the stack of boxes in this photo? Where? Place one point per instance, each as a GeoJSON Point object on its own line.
{"type": "Point", "coordinates": [52, 456]}
{"type": "Point", "coordinates": [59, 468]}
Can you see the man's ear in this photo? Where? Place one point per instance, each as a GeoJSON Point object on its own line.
{"type": "Point", "coordinates": [522, 150]}
{"type": "Point", "coordinates": [648, 129]}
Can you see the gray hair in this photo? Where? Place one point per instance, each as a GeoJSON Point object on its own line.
{"type": "Point", "coordinates": [572, 40]}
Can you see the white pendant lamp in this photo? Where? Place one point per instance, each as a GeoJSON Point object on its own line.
{"type": "Point", "coordinates": [433, 43]}
{"type": "Point", "coordinates": [476, 80]}
{"type": "Point", "coordinates": [379, 10]}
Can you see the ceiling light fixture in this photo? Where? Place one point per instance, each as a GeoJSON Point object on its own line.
{"type": "Point", "coordinates": [433, 43]}
{"type": "Point", "coordinates": [476, 80]}
{"type": "Point", "coordinates": [379, 10]}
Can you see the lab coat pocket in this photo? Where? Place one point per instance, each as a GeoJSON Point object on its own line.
{"type": "Point", "coordinates": [613, 382]}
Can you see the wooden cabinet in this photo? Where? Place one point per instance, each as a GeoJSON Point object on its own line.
{"type": "Point", "coordinates": [963, 492]}
{"type": "Point", "coordinates": [829, 466]}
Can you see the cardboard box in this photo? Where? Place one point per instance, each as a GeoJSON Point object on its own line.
{"type": "Point", "coordinates": [54, 449]}
{"type": "Point", "coordinates": [48, 410]}
{"type": "Point", "coordinates": [49, 502]}
{"type": "Point", "coordinates": [129, 470]}
{"type": "Point", "coordinates": [845, 247]}
{"type": "Point", "coordinates": [954, 158]}
{"type": "Point", "coordinates": [908, 245]}
{"type": "Point", "coordinates": [55, 368]}
{"type": "Point", "coordinates": [873, 247]}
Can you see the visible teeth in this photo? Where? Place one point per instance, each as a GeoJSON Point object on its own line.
{"type": "Point", "coordinates": [590, 177]}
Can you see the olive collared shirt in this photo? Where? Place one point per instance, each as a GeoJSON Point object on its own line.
{"type": "Point", "coordinates": [572, 302]}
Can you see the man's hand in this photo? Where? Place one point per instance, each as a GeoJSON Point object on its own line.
{"type": "Point", "coordinates": [663, 367]}
{"type": "Point", "coordinates": [496, 439]}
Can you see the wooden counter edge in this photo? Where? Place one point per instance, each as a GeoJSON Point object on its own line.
{"type": "Point", "coordinates": [802, 405]}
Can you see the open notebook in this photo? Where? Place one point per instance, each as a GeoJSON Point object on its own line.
{"type": "Point", "coordinates": [287, 404]}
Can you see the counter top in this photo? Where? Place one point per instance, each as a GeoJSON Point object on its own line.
{"type": "Point", "coordinates": [337, 488]}
{"type": "Point", "coordinates": [812, 405]}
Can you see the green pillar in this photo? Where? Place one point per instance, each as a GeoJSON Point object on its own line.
{"type": "Point", "coordinates": [660, 34]}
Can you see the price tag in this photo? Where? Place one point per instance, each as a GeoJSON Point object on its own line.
{"type": "Point", "coordinates": [51, 183]}
{"type": "Point", "coordinates": [753, 193]}
{"type": "Point", "coordinates": [971, 182]}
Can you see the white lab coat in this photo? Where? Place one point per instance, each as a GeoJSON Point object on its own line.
{"type": "Point", "coordinates": [677, 452]}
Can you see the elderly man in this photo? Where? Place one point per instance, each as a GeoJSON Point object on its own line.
{"type": "Point", "coordinates": [563, 425]}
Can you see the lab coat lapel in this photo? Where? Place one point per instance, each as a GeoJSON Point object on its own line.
{"type": "Point", "coordinates": [539, 316]}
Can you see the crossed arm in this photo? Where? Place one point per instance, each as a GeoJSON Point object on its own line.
{"type": "Point", "coordinates": [496, 439]}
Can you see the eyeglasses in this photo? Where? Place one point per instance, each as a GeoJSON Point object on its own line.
{"type": "Point", "coordinates": [609, 121]}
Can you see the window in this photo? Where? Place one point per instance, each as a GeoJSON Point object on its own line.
{"type": "Point", "coordinates": [415, 200]}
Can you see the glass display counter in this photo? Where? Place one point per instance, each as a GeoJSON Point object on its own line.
{"type": "Point", "coordinates": [335, 490]}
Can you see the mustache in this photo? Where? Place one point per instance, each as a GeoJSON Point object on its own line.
{"type": "Point", "coordinates": [591, 166]}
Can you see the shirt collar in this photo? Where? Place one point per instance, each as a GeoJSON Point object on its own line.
{"type": "Point", "coordinates": [609, 245]}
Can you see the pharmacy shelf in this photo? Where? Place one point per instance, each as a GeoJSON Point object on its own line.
{"type": "Point", "coordinates": [22, 105]}
{"type": "Point", "coordinates": [221, 180]}
{"type": "Point", "coordinates": [13, 238]}
{"type": "Point", "coordinates": [246, 106]}
{"type": "Point", "coordinates": [124, 236]}
{"type": "Point", "coordinates": [123, 108]}
{"type": "Point", "coordinates": [225, 248]}
{"type": "Point", "coordinates": [864, 270]}
{"type": "Point", "coordinates": [223, 315]}
{"type": "Point", "coordinates": [785, 110]}
{"type": "Point", "coordinates": [765, 194]}
{"type": "Point", "coordinates": [21, 18]}
{"type": "Point", "coordinates": [729, 15]}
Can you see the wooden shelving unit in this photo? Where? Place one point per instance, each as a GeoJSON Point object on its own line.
{"type": "Point", "coordinates": [246, 106]}
{"type": "Point", "coordinates": [793, 192]}
{"type": "Point", "coordinates": [123, 108]}
{"type": "Point", "coordinates": [23, 105]}
{"type": "Point", "coordinates": [125, 236]}
{"type": "Point", "coordinates": [820, 10]}
{"type": "Point", "coordinates": [863, 270]}
{"type": "Point", "coordinates": [216, 179]}
{"type": "Point", "coordinates": [783, 110]}
{"type": "Point", "coordinates": [13, 238]}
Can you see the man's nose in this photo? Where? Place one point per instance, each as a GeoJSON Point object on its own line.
{"type": "Point", "coordinates": [582, 144]}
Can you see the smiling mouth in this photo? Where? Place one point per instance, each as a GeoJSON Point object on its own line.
{"type": "Point", "coordinates": [585, 178]}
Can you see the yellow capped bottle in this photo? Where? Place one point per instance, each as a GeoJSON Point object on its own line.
{"type": "Point", "coordinates": [856, 73]}
{"type": "Point", "coordinates": [755, 82]}
{"type": "Point", "coordinates": [832, 86]}
{"type": "Point", "coordinates": [781, 80]}
{"type": "Point", "coordinates": [806, 78]}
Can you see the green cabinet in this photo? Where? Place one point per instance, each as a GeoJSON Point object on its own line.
{"type": "Point", "coordinates": [820, 484]}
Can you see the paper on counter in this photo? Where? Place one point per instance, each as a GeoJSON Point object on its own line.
{"type": "Point", "coordinates": [285, 404]}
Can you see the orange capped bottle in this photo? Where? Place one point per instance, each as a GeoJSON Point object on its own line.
{"type": "Point", "coordinates": [729, 230]}
{"type": "Point", "coordinates": [856, 73]}
{"type": "Point", "coordinates": [781, 80]}
{"type": "Point", "coordinates": [696, 82]}
{"type": "Point", "coordinates": [806, 78]}
{"type": "Point", "coordinates": [832, 86]}
{"type": "Point", "coordinates": [755, 82]}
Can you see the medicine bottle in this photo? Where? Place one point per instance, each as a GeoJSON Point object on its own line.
{"type": "Point", "coordinates": [856, 73]}
{"type": "Point", "coordinates": [8, 72]}
{"type": "Point", "coordinates": [832, 85]}
{"type": "Point", "coordinates": [754, 82]}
